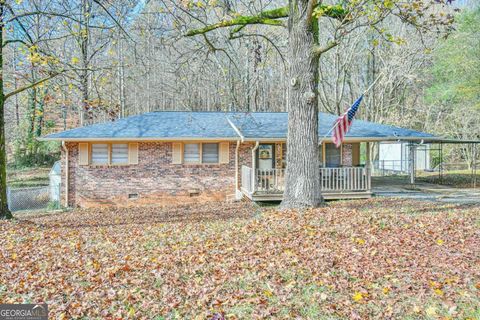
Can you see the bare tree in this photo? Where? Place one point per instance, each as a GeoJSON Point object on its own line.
{"type": "Point", "coordinates": [306, 45]}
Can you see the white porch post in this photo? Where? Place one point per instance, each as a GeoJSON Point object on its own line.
{"type": "Point", "coordinates": [367, 155]}
{"type": "Point", "coordinates": [368, 166]}
{"type": "Point", "coordinates": [411, 155]}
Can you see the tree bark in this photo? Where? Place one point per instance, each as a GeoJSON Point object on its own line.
{"type": "Point", "coordinates": [86, 113]}
{"type": "Point", "coordinates": [4, 212]}
{"type": "Point", "coordinates": [302, 177]}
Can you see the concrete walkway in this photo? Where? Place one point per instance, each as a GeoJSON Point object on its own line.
{"type": "Point", "coordinates": [425, 191]}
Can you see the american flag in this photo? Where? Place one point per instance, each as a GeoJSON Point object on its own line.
{"type": "Point", "coordinates": [343, 123]}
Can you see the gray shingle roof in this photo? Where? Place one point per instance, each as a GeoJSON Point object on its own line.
{"type": "Point", "coordinates": [215, 125]}
{"type": "Point", "coordinates": [157, 125]}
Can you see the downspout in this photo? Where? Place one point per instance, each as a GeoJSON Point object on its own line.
{"type": "Point", "coordinates": [237, 189]}
{"type": "Point", "coordinates": [66, 172]}
{"type": "Point", "coordinates": [238, 193]}
{"type": "Point", "coordinates": [254, 165]}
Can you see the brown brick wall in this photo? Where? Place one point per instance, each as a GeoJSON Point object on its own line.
{"type": "Point", "coordinates": [347, 155]}
{"type": "Point", "coordinates": [155, 179]}
{"type": "Point", "coordinates": [279, 154]}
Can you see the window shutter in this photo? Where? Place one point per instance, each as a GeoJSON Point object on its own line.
{"type": "Point", "coordinates": [83, 154]}
{"type": "Point", "coordinates": [133, 153]}
{"type": "Point", "coordinates": [176, 153]}
{"type": "Point", "coordinates": [224, 152]}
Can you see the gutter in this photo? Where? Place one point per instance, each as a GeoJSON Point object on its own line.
{"type": "Point", "coordinates": [149, 139]}
{"type": "Point", "coordinates": [254, 139]}
{"type": "Point", "coordinates": [263, 139]}
{"type": "Point", "coordinates": [237, 189]}
{"type": "Point", "coordinates": [363, 139]}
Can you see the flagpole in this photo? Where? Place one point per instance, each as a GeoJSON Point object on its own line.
{"type": "Point", "coordinates": [373, 83]}
{"type": "Point", "coordinates": [364, 93]}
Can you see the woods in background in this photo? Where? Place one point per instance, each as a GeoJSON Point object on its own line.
{"type": "Point", "coordinates": [131, 57]}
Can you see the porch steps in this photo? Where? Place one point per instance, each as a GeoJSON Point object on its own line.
{"type": "Point", "coordinates": [230, 198]}
{"type": "Point", "coordinates": [347, 195]}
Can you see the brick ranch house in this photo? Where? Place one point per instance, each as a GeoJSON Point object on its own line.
{"type": "Point", "coordinates": [175, 157]}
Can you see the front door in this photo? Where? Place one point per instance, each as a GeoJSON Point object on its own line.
{"type": "Point", "coordinates": [266, 156]}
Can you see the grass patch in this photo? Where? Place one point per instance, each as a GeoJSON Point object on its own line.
{"type": "Point", "coordinates": [28, 177]}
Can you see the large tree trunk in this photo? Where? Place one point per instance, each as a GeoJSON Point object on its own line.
{"type": "Point", "coordinates": [4, 212]}
{"type": "Point", "coordinates": [302, 181]}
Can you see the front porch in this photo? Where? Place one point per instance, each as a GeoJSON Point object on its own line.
{"type": "Point", "coordinates": [335, 183]}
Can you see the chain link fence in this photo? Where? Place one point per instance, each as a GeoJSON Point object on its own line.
{"type": "Point", "coordinates": [33, 198]}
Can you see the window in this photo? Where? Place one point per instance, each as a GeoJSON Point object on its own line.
{"type": "Point", "coordinates": [108, 153]}
{"type": "Point", "coordinates": [198, 153]}
{"type": "Point", "coordinates": [191, 153]}
{"type": "Point", "coordinates": [332, 155]}
{"type": "Point", "coordinates": [99, 153]}
{"type": "Point", "coordinates": [120, 153]}
{"type": "Point", "coordinates": [210, 153]}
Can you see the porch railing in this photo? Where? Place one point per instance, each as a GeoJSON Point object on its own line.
{"type": "Point", "coordinates": [270, 180]}
{"type": "Point", "coordinates": [345, 179]}
{"type": "Point", "coordinates": [247, 179]}
{"type": "Point", "coordinates": [331, 180]}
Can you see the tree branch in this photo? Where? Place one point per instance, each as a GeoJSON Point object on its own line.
{"type": "Point", "coordinates": [319, 50]}
{"type": "Point", "coordinates": [7, 42]}
{"type": "Point", "coordinates": [114, 20]}
{"type": "Point", "coordinates": [31, 85]}
{"type": "Point", "coordinates": [232, 37]}
{"type": "Point", "coordinates": [52, 14]}
{"type": "Point", "coordinates": [268, 17]}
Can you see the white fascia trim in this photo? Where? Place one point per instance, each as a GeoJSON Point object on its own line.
{"type": "Point", "coordinates": [354, 139]}
{"type": "Point", "coordinates": [243, 139]}
{"type": "Point", "coordinates": [140, 139]}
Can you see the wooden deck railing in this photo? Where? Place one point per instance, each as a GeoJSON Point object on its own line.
{"type": "Point", "coordinates": [347, 179]}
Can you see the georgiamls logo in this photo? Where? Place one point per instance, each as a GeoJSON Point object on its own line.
{"type": "Point", "coordinates": [23, 312]}
{"type": "Point", "coordinates": [39, 311]}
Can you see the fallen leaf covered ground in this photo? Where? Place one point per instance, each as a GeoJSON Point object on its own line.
{"type": "Point", "coordinates": [368, 259]}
